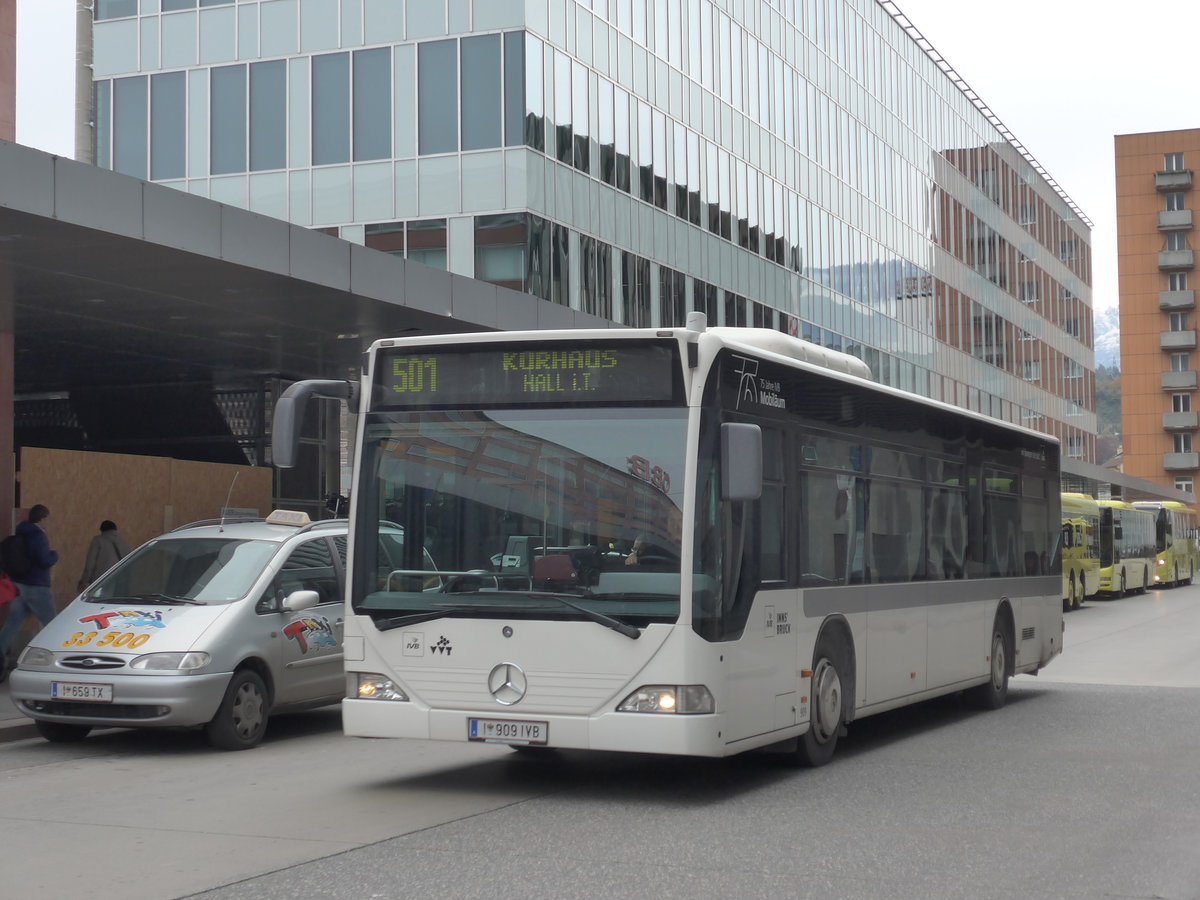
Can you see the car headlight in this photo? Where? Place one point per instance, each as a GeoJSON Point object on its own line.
{"type": "Point", "coordinates": [681, 699]}
{"type": "Point", "coordinates": [35, 656]}
{"type": "Point", "coordinates": [372, 686]}
{"type": "Point", "coordinates": [172, 662]}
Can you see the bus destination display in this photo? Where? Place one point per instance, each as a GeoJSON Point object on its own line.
{"type": "Point", "coordinates": [623, 373]}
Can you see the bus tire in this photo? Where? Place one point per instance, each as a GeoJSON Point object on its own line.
{"type": "Point", "coordinates": [241, 719]}
{"type": "Point", "coordinates": [1121, 595]}
{"type": "Point", "coordinates": [992, 693]}
{"type": "Point", "coordinates": [828, 710]}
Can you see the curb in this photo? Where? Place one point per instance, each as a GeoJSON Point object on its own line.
{"type": "Point", "coordinates": [18, 729]}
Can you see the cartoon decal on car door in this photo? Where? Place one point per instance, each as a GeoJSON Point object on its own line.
{"type": "Point", "coordinates": [312, 637]}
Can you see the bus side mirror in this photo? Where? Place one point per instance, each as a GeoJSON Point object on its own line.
{"type": "Point", "coordinates": [741, 461]}
{"type": "Point", "coordinates": [289, 415]}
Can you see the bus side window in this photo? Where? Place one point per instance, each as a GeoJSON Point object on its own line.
{"type": "Point", "coordinates": [772, 528]}
{"type": "Point", "coordinates": [832, 529]}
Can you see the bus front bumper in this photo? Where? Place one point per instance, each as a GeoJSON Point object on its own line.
{"type": "Point", "coordinates": [683, 735]}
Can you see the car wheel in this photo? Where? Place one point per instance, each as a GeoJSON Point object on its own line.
{"type": "Point", "coordinates": [63, 732]}
{"type": "Point", "coordinates": [241, 718]}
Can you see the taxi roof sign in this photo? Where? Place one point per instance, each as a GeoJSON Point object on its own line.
{"type": "Point", "coordinates": [288, 517]}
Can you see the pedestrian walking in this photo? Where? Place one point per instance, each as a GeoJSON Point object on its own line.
{"type": "Point", "coordinates": [33, 585]}
{"type": "Point", "coordinates": [105, 551]}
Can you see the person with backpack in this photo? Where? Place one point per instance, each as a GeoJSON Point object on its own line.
{"type": "Point", "coordinates": [32, 578]}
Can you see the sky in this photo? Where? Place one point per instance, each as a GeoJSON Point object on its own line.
{"type": "Point", "coordinates": [1064, 76]}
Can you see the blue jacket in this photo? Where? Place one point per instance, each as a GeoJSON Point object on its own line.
{"type": "Point", "coordinates": [39, 551]}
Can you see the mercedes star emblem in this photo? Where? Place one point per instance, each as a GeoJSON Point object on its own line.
{"type": "Point", "coordinates": [507, 683]}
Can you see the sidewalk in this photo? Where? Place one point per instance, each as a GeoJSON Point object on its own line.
{"type": "Point", "coordinates": [13, 725]}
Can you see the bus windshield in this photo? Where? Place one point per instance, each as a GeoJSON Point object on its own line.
{"type": "Point", "coordinates": [533, 514]}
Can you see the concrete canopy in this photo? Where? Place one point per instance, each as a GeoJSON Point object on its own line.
{"type": "Point", "coordinates": [109, 281]}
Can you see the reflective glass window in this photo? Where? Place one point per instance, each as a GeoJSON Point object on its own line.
{"type": "Point", "coordinates": [560, 278]}
{"type": "Point", "coordinates": [514, 88]}
{"type": "Point", "coordinates": [330, 108]}
{"type": "Point", "coordinates": [168, 107]}
{"type": "Point", "coordinates": [427, 242]}
{"type": "Point", "coordinates": [535, 97]}
{"type": "Point", "coordinates": [103, 114]}
{"type": "Point", "coordinates": [129, 126]}
{"type": "Point", "coordinates": [268, 115]}
{"type": "Point", "coordinates": [227, 120]}
{"type": "Point", "coordinates": [482, 108]}
{"type": "Point", "coordinates": [563, 151]}
{"type": "Point", "coordinates": [115, 9]}
{"type": "Point", "coordinates": [437, 97]}
{"type": "Point", "coordinates": [500, 244]}
{"type": "Point", "coordinates": [601, 296]}
{"type": "Point", "coordinates": [580, 116]}
{"type": "Point", "coordinates": [172, 5]}
{"type": "Point", "coordinates": [373, 104]}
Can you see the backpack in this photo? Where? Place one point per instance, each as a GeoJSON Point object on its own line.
{"type": "Point", "coordinates": [14, 556]}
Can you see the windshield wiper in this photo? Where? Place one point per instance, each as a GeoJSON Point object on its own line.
{"type": "Point", "coordinates": [598, 617]}
{"type": "Point", "coordinates": [429, 615]}
{"type": "Point", "coordinates": [148, 598]}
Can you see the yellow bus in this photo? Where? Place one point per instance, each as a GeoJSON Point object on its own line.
{"type": "Point", "coordinates": [1080, 549]}
{"type": "Point", "coordinates": [1175, 541]}
{"type": "Point", "coordinates": [1127, 548]}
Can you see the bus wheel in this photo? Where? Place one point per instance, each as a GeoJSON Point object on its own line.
{"type": "Point", "coordinates": [815, 747]}
{"type": "Point", "coordinates": [1121, 595]}
{"type": "Point", "coordinates": [994, 692]}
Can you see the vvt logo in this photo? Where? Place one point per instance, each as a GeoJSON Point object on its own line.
{"type": "Point", "coordinates": [442, 646]}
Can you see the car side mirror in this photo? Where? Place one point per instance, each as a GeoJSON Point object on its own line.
{"type": "Point", "coordinates": [298, 601]}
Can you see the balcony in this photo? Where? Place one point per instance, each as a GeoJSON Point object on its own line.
{"type": "Point", "coordinates": [1174, 219]}
{"type": "Point", "coordinates": [1179, 381]}
{"type": "Point", "coordinates": [1171, 301]}
{"type": "Point", "coordinates": [1181, 421]}
{"type": "Point", "coordinates": [1173, 181]}
{"type": "Point", "coordinates": [1169, 260]}
{"type": "Point", "coordinates": [1180, 461]}
{"type": "Point", "coordinates": [1177, 340]}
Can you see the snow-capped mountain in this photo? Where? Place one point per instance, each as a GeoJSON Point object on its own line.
{"type": "Point", "coordinates": [1107, 323]}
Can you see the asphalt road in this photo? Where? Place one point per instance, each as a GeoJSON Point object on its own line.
{"type": "Point", "coordinates": [1086, 785]}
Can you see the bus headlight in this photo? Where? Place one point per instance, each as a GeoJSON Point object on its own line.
{"type": "Point", "coordinates": [372, 686]}
{"type": "Point", "coordinates": [683, 699]}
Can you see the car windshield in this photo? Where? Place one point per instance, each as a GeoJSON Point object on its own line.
{"type": "Point", "coordinates": [520, 509]}
{"type": "Point", "coordinates": [201, 570]}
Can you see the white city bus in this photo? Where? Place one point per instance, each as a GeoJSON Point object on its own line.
{"type": "Point", "coordinates": [687, 541]}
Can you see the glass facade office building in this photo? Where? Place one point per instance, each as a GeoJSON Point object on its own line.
{"type": "Point", "coordinates": [804, 165]}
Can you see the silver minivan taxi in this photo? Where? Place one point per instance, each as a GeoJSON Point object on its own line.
{"type": "Point", "coordinates": [216, 624]}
